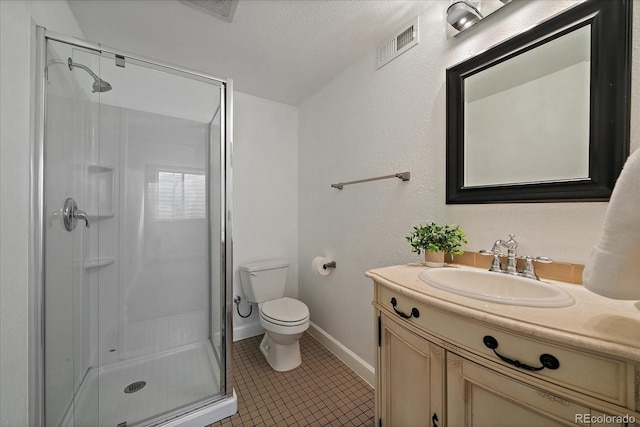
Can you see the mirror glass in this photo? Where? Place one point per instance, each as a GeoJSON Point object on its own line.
{"type": "Point", "coordinates": [543, 116]}
{"type": "Point", "coordinates": [527, 119]}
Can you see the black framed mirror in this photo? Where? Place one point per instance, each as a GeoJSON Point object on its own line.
{"type": "Point", "coordinates": [543, 116]}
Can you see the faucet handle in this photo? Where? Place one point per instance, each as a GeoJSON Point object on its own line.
{"type": "Point", "coordinates": [528, 270]}
{"type": "Point", "coordinates": [495, 252]}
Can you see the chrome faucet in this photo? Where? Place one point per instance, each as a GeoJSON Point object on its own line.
{"type": "Point", "coordinates": [511, 246]}
{"type": "Point", "coordinates": [512, 259]}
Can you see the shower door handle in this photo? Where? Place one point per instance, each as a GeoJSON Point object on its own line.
{"type": "Point", "coordinates": [71, 214]}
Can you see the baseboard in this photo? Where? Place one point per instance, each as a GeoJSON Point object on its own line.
{"type": "Point", "coordinates": [352, 360]}
{"type": "Point", "coordinates": [247, 331]}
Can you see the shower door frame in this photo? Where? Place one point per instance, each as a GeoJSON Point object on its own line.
{"type": "Point", "coordinates": [38, 218]}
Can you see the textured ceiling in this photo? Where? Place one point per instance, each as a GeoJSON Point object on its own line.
{"type": "Point", "coordinates": [284, 50]}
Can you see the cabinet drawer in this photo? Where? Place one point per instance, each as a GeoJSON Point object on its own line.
{"type": "Point", "coordinates": [597, 376]}
{"type": "Point", "coordinates": [478, 396]}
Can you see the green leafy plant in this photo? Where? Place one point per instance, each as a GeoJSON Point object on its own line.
{"type": "Point", "coordinates": [435, 238]}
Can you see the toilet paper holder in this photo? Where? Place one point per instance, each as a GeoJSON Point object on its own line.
{"type": "Point", "coordinates": [323, 266]}
{"type": "Point", "coordinates": [328, 265]}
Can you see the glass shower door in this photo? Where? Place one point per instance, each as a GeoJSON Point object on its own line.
{"type": "Point", "coordinates": [158, 301]}
{"type": "Point", "coordinates": [69, 296]}
{"type": "Point", "coordinates": [134, 259]}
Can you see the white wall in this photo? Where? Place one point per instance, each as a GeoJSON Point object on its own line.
{"type": "Point", "coordinates": [265, 174]}
{"type": "Point", "coordinates": [367, 123]}
{"type": "Point", "coordinates": [16, 86]}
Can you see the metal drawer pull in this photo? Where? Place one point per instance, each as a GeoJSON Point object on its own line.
{"type": "Point", "coordinates": [414, 311]}
{"type": "Point", "coordinates": [548, 361]}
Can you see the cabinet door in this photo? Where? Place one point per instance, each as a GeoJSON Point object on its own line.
{"type": "Point", "coordinates": [477, 396]}
{"type": "Point", "coordinates": [411, 378]}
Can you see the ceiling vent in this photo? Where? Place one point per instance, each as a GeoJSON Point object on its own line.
{"type": "Point", "coordinates": [403, 40]}
{"type": "Point", "coordinates": [223, 9]}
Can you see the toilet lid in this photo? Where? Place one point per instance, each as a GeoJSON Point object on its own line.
{"type": "Point", "coordinates": [285, 310]}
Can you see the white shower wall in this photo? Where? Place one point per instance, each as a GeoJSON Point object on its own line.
{"type": "Point", "coordinates": [156, 295]}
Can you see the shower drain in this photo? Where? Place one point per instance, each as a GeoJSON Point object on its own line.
{"type": "Point", "coordinates": [133, 387]}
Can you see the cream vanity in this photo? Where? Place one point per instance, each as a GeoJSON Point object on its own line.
{"type": "Point", "coordinates": [538, 358]}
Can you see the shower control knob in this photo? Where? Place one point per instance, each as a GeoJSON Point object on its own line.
{"type": "Point", "coordinates": [71, 214]}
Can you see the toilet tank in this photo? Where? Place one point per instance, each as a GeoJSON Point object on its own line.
{"type": "Point", "coordinates": [265, 280]}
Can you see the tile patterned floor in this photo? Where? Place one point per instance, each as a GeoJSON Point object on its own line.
{"type": "Point", "coordinates": [322, 391]}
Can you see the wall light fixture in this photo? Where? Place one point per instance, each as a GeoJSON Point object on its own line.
{"type": "Point", "coordinates": [462, 14]}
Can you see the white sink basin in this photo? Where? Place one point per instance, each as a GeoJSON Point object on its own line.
{"type": "Point", "coordinates": [496, 287]}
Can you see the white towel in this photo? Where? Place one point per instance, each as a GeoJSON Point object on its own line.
{"type": "Point", "coordinates": [613, 268]}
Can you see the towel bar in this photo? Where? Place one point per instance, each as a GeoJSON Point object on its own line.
{"type": "Point", "coordinates": [405, 176]}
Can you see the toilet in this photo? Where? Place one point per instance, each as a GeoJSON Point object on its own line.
{"type": "Point", "coordinates": [284, 319]}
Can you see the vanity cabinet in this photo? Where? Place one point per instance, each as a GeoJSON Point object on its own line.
{"type": "Point", "coordinates": [434, 368]}
{"type": "Point", "coordinates": [411, 376]}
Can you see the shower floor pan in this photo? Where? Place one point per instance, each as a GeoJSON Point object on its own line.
{"type": "Point", "coordinates": [172, 379]}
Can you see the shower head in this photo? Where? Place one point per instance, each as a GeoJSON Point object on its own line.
{"type": "Point", "coordinates": [99, 85]}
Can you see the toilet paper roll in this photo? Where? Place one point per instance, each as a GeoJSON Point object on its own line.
{"type": "Point", "coordinates": [317, 265]}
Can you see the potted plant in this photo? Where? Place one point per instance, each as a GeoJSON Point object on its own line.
{"type": "Point", "coordinates": [436, 241]}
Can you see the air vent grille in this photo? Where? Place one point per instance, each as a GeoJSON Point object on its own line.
{"type": "Point", "coordinates": [404, 39]}
{"type": "Point", "coordinates": [223, 9]}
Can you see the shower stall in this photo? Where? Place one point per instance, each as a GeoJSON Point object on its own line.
{"type": "Point", "coordinates": [131, 184]}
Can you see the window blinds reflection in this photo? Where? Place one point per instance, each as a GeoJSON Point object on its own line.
{"type": "Point", "coordinates": [178, 195]}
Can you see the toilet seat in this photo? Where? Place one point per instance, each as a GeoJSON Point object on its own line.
{"type": "Point", "coordinates": [284, 312]}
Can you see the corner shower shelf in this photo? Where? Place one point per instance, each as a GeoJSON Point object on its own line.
{"type": "Point", "coordinates": [101, 184]}
{"type": "Point", "coordinates": [100, 262]}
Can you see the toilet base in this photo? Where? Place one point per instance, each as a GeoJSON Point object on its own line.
{"type": "Point", "coordinates": [281, 357]}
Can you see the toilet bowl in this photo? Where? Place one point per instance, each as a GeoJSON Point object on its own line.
{"type": "Point", "coordinates": [284, 319]}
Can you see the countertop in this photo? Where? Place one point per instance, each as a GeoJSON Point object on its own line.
{"type": "Point", "coordinates": [593, 323]}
